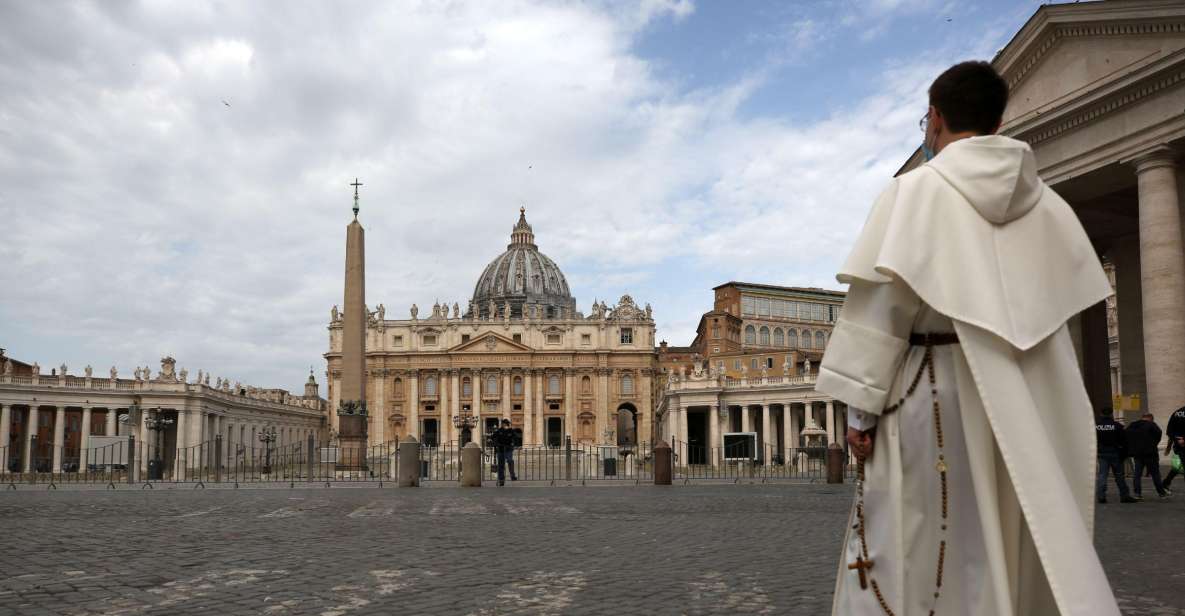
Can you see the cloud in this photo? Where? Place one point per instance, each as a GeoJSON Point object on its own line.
{"type": "Point", "coordinates": [174, 177]}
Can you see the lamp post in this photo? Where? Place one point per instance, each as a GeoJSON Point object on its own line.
{"type": "Point", "coordinates": [156, 424]}
{"type": "Point", "coordinates": [464, 421]}
{"type": "Point", "coordinates": [267, 436]}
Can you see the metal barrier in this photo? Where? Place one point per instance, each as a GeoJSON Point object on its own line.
{"type": "Point", "coordinates": [742, 463]}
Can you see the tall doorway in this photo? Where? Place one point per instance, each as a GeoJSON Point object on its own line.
{"type": "Point", "coordinates": [555, 432]}
{"type": "Point", "coordinates": [697, 437]}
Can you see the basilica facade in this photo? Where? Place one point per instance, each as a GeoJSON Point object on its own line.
{"type": "Point", "coordinates": [519, 350]}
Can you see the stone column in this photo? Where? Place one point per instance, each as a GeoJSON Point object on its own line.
{"type": "Point", "coordinates": [795, 427]}
{"type": "Point", "coordinates": [569, 405]}
{"type": "Point", "coordinates": [59, 437]}
{"type": "Point", "coordinates": [808, 414]}
{"type": "Point", "coordinates": [181, 451]}
{"type": "Point", "coordinates": [377, 408]}
{"type": "Point", "coordinates": [112, 427]}
{"type": "Point", "coordinates": [829, 419]}
{"type": "Point", "coordinates": [787, 431]}
{"type": "Point", "coordinates": [84, 442]}
{"type": "Point", "coordinates": [645, 396]}
{"type": "Point", "coordinates": [1130, 310]}
{"type": "Point", "coordinates": [714, 443]}
{"type": "Point", "coordinates": [144, 451]}
{"type": "Point", "coordinates": [528, 409]}
{"type": "Point", "coordinates": [5, 436]}
{"type": "Point", "coordinates": [746, 419]}
{"type": "Point", "coordinates": [1162, 282]}
{"type": "Point", "coordinates": [30, 437]}
{"type": "Point", "coordinates": [442, 410]}
{"type": "Point", "coordinates": [602, 406]}
{"type": "Point", "coordinates": [767, 439]}
{"type": "Point", "coordinates": [505, 394]}
{"type": "Point", "coordinates": [682, 449]}
{"type": "Point", "coordinates": [413, 407]}
{"type": "Point", "coordinates": [540, 421]}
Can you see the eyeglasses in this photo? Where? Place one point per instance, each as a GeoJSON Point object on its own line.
{"type": "Point", "coordinates": [924, 123]}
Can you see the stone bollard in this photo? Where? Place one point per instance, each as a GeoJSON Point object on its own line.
{"type": "Point", "coordinates": [409, 463]}
{"type": "Point", "coordinates": [835, 463]}
{"type": "Point", "coordinates": [471, 465]}
{"type": "Point", "coordinates": [662, 464]}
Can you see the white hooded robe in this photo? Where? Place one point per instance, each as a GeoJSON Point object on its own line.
{"type": "Point", "coordinates": [972, 242]}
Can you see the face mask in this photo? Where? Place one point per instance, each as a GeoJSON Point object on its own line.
{"type": "Point", "coordinates": [927, 152]}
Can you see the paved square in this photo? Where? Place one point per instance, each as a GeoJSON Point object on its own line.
{"type": "Point", "coordinates": [708, 549]}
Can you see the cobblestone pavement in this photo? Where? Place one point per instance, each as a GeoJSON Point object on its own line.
{"type": "Point", "coordinates": [707, 549]}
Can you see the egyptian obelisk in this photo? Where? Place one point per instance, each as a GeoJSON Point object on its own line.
{"type": "Point", "coordinates": [351, 410]}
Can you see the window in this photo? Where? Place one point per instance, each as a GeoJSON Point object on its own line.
{"type": "Point", "coordinates": [736, 364]}
{"type": "Point", "coordinates": [627, 335]}
{"type": "Point", "coordinates": [817, 312]}
{"type": "Point", "coordinates": [518, 385]}
{"type": "Point", "coordinates": [762, 307]}
{"type": "Point", "coordinates": [819, 340]}
{"type": "Point", "coordinates": [553, 384]}
{"type": "Point", "coordinates": [398, 387]}
{"type": "Point", "coordinates": [750, 335]}
{"type": "Point", "coordinates": [715, 349]}
{"type": "Point", "coordinates": [585, 385]}
{"type": "Point", "coordinates": [518, 338]}
{"type": "Point", "coordinates": [429, 339]}
{"type": "Point", "coordinates": [764, 336]}
{"type": "Point", "coordinates": [753, 363]}
{"type": "Point", "coordinates": [792, 338]}
{"type": "Point", "coordinates": [627, 385]}
{"type": "Point", "coordinates": [769, 362]}
{"type": "Point", "coordinates": [464, 338]}
{"type": "Point", "coordinates": [492, 385]}
{"type": "Point", "coordinates": [715, 331]}
{"type": "Point", "coordinates": [585, 338]}
{"type": "Point", "coordinates": [466, 387]}
{"type": "Point", "coordinates": [779, 339]}
{"type": "Point", "coordinates": [748, 305]}
{"type": "Point", "coordinates": [720, 365]}
{"type": "Point", "coordinates": [553, 338]}
{"type": "Point", "coordinates": [806, 339]}
{"type": "Point", "coordinates": [397, 341]}
{"type": "Point", "coordinates": [430, 386]}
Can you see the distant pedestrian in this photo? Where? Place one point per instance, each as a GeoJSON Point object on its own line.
{"type": "Point", "coordinates": [1111, 453]}
{"type": "Point", "coordinates": [1175, 429]}
{"type": "Point", "coordinates": [1142, 439]}
{"type": "Point", "coordinates": [504, 440]}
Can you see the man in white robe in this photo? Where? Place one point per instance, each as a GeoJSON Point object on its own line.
{"type": "Point", "coordinates": [971, 244]}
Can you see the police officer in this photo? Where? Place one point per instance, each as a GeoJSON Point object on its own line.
{"type": "Point", "coordinates": [1110, 446]}
{"type": "Point", "coordinates": [1143, 443]}
{"type": "Point", "coordinates": [1176, 433]}
{"type": "Point", "coordinates": [504, 441]}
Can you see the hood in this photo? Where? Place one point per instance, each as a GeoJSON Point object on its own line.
{"type": "Point", "coordinates": [996, 174]}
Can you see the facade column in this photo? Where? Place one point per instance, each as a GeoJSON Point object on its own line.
{"type": "Point", "coordinates": [377, 408]}
{"type": "Point", "coordinates": [447, 379]}
{"type": "Point", "coordinates": [5, 436]}
{"type": "Point", "coordinates": [569, 404]}
{"type": "Point", "coordinates": [767, 440]}
{"type": "Point", "coordinates": [829, 419]}
{"type": "Point", "coordinates": [59, 437]}
{"type": "Point", "coordinates": [1162, 282]}
{"type": "Point", "coordinates": [181, 451]}
{"type": "Point", "coordinates": [31, 426]}
{"type": "Point", "coordinates": [602, 406]}
{"type": "Point", "coordinates": [413, 407]}
{"type": "Point", "coordinates": [746, 419]}
{"type": "Point", "coordinates": [540, 421]}
{"type": "Point", "coordinates": [646, 412]}
{"type": "Point", "coordinates": [505, 394]}
{"type": "Point", "coordinates": [714, 434]}
{"type": "Point", "coordinates": [682, 435]}
{"type": "Point", "coordinates": [808, 415]}
{"type": "Point", "coordinates": [112, 414]}
{"type": "Point", "coordinates": [528, 409]}
{"type": "Point", "coordinates": [1126, 257]}
{"type": "Point", "coordinates": [84, 441]}
{"type": "Point", "coordinates": [143, 450]}
{"type": "Point", "coordinates": [787, 432]}
{"type": "Point", "coordinates": [796, 427]}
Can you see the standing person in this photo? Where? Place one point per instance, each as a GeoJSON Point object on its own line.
{"type": "Point", "coordinates": [967, 410]}
{"type": "Point", "coordinates": [504, 440]}
{"type": "Point", "coordinates": [1110, 442]}
{"type": "Point", "coordinates": [1142, 439]}
{"type": "Point", "coordinates": [1175, 430]}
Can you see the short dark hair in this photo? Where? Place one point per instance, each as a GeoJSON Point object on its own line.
{"type": "Point", "coordinates": [1106, 411]}
{"type": "Point", "coordinates": [971, 96]}
{"type": "Point", "coordinates": [506, 422]}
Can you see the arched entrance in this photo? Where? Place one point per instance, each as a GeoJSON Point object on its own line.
{"type": "Point", "coordinates": [627, 425]}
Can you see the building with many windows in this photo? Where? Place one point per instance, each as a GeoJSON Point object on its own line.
{"type": "Point", "coordinates": [751, 368]}
{"type": "Point", "coordinates": [518, 350]}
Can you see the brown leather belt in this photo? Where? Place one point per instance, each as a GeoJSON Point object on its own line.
{"type": "Point", "coordinates": [938, 339]}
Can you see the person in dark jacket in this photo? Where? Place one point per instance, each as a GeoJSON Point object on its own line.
{"type": "Point", "coordinates": [1111, 453]}
{"type": "Point", "coordinates": [1142, 439]}
{"type": "Point", "coordinates": [504, 439]}
{"type": "Point", "coordinates": [1176, 433]}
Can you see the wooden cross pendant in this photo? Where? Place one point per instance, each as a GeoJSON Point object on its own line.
{"type": "Point", "coordinates": [861, 566]}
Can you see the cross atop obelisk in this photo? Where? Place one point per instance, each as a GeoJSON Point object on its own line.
{"type": "Point", "coordinates": [356, 184]}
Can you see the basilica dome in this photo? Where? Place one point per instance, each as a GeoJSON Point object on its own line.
{"type": "Point", "coordinates": [523, 277]}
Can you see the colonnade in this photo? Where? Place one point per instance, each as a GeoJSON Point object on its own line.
{"type": "Point", "coordinates": [778, 426]}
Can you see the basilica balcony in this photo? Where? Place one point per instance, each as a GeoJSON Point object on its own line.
{"type": "Point", "coordinates": [429, 397]}
{"type": "Point", "coordinates": [553, 396]}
